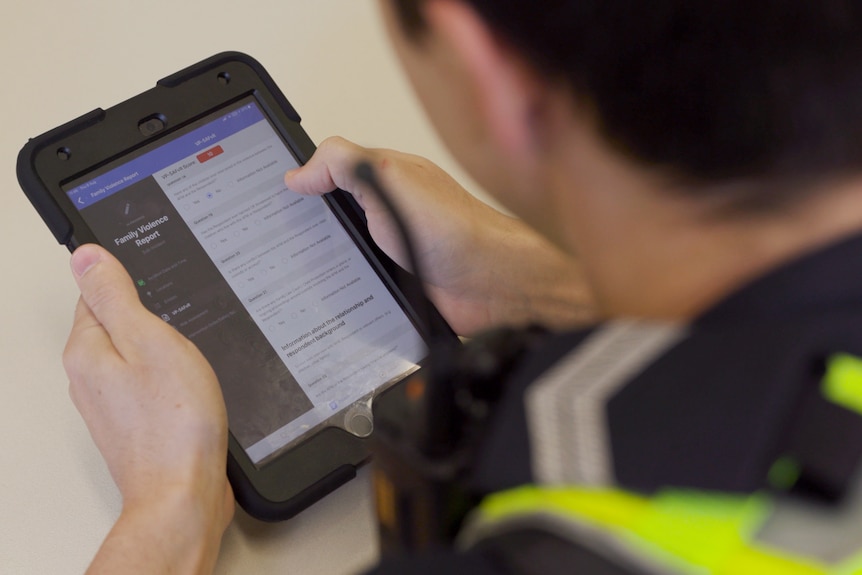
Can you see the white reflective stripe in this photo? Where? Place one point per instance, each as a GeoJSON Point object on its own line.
{"type": "Point", "coordinates": [566, 413]}
{"type": "Point", "coordinates": [830, 533]}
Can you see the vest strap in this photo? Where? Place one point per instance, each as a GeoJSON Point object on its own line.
{"type": "Point", "coordinates": [688, 531]}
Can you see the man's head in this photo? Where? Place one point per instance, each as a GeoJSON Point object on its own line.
{"type": "Point", "coordinates": [713, 90]}
{"type": "Point", "coordinates": [611, 125]}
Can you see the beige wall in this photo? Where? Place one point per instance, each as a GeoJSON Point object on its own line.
{"type": "Point", "coordinates": [61, 59]}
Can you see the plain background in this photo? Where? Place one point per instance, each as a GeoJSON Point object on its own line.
{"type": "Point", "coordinates": [61, 59]}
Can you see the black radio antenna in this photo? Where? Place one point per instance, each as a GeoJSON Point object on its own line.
{"type": "Point", "coordinates": [438, 422]}
{"type": "Point", "coordinates": [437, 331]}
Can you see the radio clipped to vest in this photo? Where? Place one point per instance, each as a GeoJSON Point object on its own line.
{"type": "Point", "coordinates": [426, 437]}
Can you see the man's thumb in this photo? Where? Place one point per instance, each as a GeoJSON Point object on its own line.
{"type": "Point", "coordinates": [105, 286]}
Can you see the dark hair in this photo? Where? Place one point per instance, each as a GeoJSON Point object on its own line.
{"type": "Point", "coordinates": [713, 90]}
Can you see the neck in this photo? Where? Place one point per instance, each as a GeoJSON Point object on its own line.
{"type": "Point", "coordinates": [653, 253]}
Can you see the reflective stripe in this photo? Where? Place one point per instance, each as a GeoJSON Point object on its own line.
{"type": "Point", "coordinates": [705, 533]}
{"type": "Point", "coordinates": [842, 383]}
{"type": "Point", "coordinates": [565, 408]}
{"type": "Point", "coordinates": [852, 567]}
{"type": "Point", "coordinates": [830, 533]}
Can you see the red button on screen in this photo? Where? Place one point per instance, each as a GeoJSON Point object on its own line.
{"type": "Point", "coordinates": [210, 154]}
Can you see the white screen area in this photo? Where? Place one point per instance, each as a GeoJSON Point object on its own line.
{"type": "Point", "coordinates": [308, 288]}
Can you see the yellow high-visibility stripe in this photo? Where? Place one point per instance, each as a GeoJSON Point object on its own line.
{"type": "Point", "coordinates": [697, 531]}
{"type": "Point", "coordinates": [709, 533]}
{"type": "Point", "coordinates": [842, 383]}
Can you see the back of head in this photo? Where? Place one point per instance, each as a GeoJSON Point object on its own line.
{"type": "Point", "coordinates": [712, 91]}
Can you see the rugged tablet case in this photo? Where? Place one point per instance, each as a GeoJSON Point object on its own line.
{"type": "Point", "coordinates": [331, 456]}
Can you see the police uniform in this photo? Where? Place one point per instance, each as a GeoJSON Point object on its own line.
{"type": "Point", "coordinates": [729, 445]}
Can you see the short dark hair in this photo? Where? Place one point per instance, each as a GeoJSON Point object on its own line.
{"type": "Point", "coordinates": [713, 90]}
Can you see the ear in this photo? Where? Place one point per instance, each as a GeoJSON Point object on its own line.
{"type": "Point", "coordinates": [506, 86]}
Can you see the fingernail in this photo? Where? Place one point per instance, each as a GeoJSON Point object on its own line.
{"type": "Point", "coordinates": [83, 259]}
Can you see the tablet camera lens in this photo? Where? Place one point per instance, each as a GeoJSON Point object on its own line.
{"type": "Point", "coordinates": [152, 125]}
{"type": "Point", "coordinates": [64, 154]}
{"type": "Point", "coordinates": [224, 78]}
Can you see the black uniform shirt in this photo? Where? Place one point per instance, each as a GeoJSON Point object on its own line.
{"type": "Point", "coordinates": [741, 390]}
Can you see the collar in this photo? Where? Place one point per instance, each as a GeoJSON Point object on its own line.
{"type": "Point", "coordinates": [822, 279]}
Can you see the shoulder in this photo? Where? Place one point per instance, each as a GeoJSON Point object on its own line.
{"type": "Point", "coordinates": [644, 406]}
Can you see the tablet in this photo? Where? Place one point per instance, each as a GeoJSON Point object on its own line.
{"type": "Point", "coordinates": [304, 320]}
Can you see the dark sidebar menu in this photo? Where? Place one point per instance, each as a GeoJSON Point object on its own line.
{"type": "Point", "coordinates": [177, 281]}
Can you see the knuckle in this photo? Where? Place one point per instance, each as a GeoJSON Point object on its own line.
{"type": "Point", "coordinates": [330, 145]}
{"type": "Point", "coordinates": [70, 365]}
{"type": "Point", "coordinates": [75, 394]}
{"type": "Point", "coordinates": [72, 360]}
{"type": "Point", "coordinates": [339, 148]}
{"type": "Point", "coordinates": [335, 142]}
{"type": "Point", "coordinates": [74, 371]}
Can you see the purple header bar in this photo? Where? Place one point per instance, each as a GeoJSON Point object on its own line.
{"type": "Point", "coordinates": [185, 146]}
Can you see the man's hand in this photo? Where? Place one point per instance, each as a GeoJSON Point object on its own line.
{"type": "Point", "coordinates": [155, 411]}
{"type": "Point", "coordinates": [481, 267]}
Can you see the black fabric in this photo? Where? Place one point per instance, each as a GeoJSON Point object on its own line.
{"type": "Point", "coordinates": [439, 562]}
{"type": "Point", "coordinates": [711, 413]}
{"type": "Point", "coordinates": [826, 441]}
{"type": "Point", "coordinates": [743, 390]}
{"type": "Point", "coordinates": [537, 552]}
{"type": "Point", "coordinates": [820, 281]}
{"type": "Point", "coordinates": [520, 552]}
{"type": "Point", "coordinates": [714, 413]}
{"type": "Point", "coordinates": [503, 462]}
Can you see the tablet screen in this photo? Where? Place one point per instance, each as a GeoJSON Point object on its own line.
{"type": "Point", "coordinates": [268, 284]}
